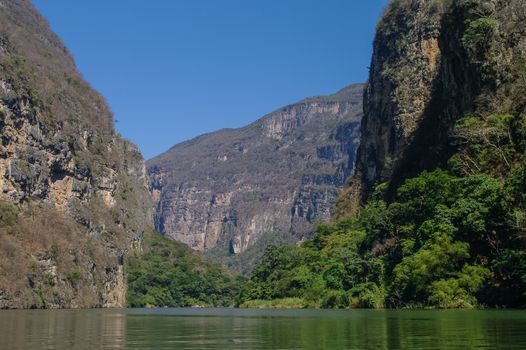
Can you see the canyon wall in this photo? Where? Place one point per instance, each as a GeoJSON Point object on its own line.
{"type": "Point", "coordinates": [73, 194]}
{"type": "Point", "coordinates": [280, 174]}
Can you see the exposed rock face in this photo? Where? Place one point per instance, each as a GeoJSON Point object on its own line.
{"type": "Point", "coordinates": [60, 157]}
{"type": "Point", "coordinates": [405, 61]}
{"type": "Point", "coordinates": [434, 62]}
{"type": "Point", "coordinates": [279, 174]}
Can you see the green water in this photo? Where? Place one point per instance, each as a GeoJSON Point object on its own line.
{"type": "Point", "coordinates": [261, 329]}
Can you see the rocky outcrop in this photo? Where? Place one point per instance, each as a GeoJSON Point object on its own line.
{"type": "Point", "coordinates": [280, 174]}
{"type": "Point", "coordinates": [434, 62]}
{"type": "Point", "coordinates": [81, 191]}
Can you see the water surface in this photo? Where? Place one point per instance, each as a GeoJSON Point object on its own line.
{"type": "Point", "coordinates": [261, 329]}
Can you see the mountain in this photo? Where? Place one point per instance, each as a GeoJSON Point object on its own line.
{"type": "Point", "coordinates": [435, 215]}
{"type": "Point", "coordinates": [276, 176]}
{"type": "Point", "coordinates": [74, 195]}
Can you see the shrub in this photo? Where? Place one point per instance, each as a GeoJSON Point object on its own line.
{"type": "Point", "coordinates": [478, 36]}
{"type": "Point", "coordinates": [8, 214]}
{"type": "Point", "coordinates": [367, 295]}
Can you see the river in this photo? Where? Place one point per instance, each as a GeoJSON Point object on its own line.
{"type": "Point", "coordinates": [261, 329]}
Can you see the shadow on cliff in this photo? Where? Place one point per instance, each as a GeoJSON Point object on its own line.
{"type": "Point", "coordinates": [454, 93]}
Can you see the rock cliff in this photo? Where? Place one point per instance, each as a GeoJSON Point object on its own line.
{"type": "Point", "coordinates": [434, 63]}
{"type": "Point", "coordinates": [280, 174]}
{"type": "Point", "coordinates": [73, 194]}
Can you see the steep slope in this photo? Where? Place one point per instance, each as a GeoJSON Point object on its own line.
{"type": "Point", "coordinates": [404, 66]}
{"type": "Point", "coordinates": [278, 175]}
{"type": "Point", "coordinates": [73, 194]}
{"type": "Point", "coordinates": [435, 215]}
{"type": "Point", "coordinates": [434, 63]}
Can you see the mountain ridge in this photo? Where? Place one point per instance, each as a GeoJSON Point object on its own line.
{"type": "Point", "coordinates": [342, 92]}
{"type": "Point", "coordinates": [250, 149]}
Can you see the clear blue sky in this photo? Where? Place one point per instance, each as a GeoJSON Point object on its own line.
{"type": "Point", "coordinates": [174, 69]}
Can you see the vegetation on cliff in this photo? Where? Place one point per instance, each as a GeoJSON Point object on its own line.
{"type": "Point", "coordinates": [48, 261]}
{"type": "Point", "coordinates": [441, 173]}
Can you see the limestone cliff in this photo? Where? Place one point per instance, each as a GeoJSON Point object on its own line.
{"type": "Point", "coordinates": [73, 193]}
{"type": "Point", "coordinates": [280, 174]}
{"type": "Point", "coordinates": [434, 62]}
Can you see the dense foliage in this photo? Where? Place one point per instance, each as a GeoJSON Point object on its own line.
{"type": "Point", "coordinates": [243, 262]}
{"type": "Point", "coordinates": [168, 273]}
{"type": "Point", "coordinates": [445, 241]}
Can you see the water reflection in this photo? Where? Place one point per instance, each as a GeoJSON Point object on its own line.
{"type": "Point", "coordinates": [261, 329]}
{"type": "Point", "coordinates": [62, 329]}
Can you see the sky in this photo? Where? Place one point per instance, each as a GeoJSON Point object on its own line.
{"type": "Point", "coordinates": [174, 69]}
